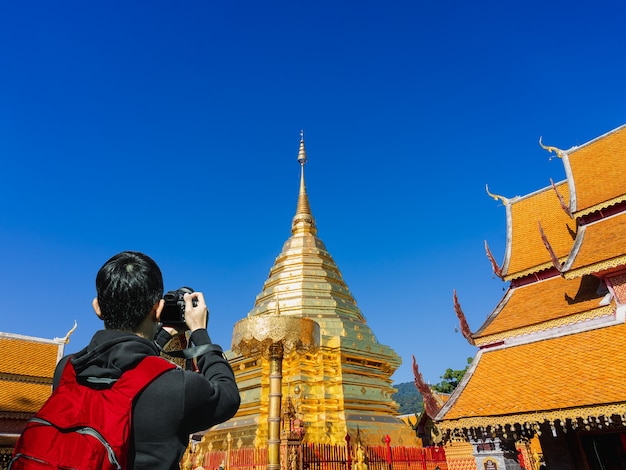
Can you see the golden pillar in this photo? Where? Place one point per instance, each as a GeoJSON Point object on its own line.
{"type": "Point", "coordinates": [275, 398]}
{"type": "Point", "coordinates": [229, 443]}
{"type": "Point", "coordinates": [273, 336]}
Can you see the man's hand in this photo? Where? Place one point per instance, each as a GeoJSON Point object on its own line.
{"type": "Point", "coordinates": [196, 317]}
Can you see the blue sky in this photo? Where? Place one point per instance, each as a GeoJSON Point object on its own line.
{"type": "Point", "coordinates": [172, 128]}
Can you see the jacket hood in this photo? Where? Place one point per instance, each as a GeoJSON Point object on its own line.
{"type": "Point", "coordinates": [109, 354]}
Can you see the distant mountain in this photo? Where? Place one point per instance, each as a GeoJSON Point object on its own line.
{"type": "Point", "coordinates": [409, 399]}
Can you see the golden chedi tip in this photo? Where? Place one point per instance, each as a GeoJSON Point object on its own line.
{"type": "Point", "coordinates": [303, 221]}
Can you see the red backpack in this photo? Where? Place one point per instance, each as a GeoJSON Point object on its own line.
{"type": "Point", "coordinates": [82, 428]}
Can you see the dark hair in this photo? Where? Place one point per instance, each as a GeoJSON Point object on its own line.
{"type": "Point", "coordinates": [128, 286]}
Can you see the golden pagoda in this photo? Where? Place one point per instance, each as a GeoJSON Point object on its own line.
{"type": "Point", "coordinates": [551, 363]}
{"type": "Point", "coordinates": [344, 386]}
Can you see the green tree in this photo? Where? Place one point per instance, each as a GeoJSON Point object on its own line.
{"type": "Point", "coordinates": [451, 379]}
{"type": "Point", "coordinates": [408, 398]}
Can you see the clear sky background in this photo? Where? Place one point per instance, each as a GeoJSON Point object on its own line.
{"type": "Point", "coordinates": [172, 128]}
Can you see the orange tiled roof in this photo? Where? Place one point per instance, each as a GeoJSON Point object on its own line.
{"type": "Point", "coordinates": [526, 252]}
{"type": "Point", "coordinates": [21, 397]}
{"type": "Point", "coordinates": [27, 357]}
{"type": "Point", "coordinates": [602, 247]}
{"type": "Point", "coordinates": [540, 302]}
{"type": "Point", "coordinates": [577, 370]}
{"type": "Point", "coordinates": [597, 169]}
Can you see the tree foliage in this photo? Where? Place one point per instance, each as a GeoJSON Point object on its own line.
{"type": "Point", "coordinates": [409, 399]}
{"type": "Point", "coordinates": [451, 379]}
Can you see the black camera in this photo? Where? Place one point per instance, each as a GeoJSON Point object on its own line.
{"type": "Point", "coordinates": [173, 314]}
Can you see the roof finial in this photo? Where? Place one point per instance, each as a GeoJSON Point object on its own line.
{"type": "Point", "coordinates": [495, 196]}
{"type": "Point", "coordinates": [302, 151]}
{"type": "Point", "coordinates": [303, 221]}
{"type": "Point", "coordinates": [559, 153]}
{"type": "Point", "coordinates": [66, 339]}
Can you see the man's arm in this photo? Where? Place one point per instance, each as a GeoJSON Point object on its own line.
{"type": "Point", "coordinates": [211, 396]}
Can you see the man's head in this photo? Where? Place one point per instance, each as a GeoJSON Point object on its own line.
{"type": "Point", "coordinates": [129, 288]}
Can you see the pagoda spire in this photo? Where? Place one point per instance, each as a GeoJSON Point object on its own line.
{"type": "Point", "coordinates": [303, 221]}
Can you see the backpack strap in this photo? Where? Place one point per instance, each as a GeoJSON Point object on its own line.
{"type": "Point", "coordinates": [133, 381]}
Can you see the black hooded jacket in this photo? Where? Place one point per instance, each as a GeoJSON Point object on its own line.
{"type": "Point", "coordinates": [175, 405]}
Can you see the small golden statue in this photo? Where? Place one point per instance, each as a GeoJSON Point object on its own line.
{"type": "Point", "coordinates": [293, 458]}
{"type": "Point", "coordinates": [360, 460]}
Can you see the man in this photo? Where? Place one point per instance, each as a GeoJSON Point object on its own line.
{"type": "Point", "coordinates": [177, 403]}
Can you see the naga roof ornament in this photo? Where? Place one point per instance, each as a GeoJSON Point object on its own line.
{"type": "Point", "coordinates": [559, 153]}
{"type": "Point", "coordinates": [465, 329]}
{"type": "Point", "coordinates": [496, 197]}
{"type": "Point", "coordinates": [555, 261]}
{"type": "Point", "coordinates": [564, 206]}
{"type": "Point", "coordinates": [497, 270]}
{"type": "Point", "coordinates": [66, 338]}
{"type": "Point", "coordinates": [430, 402]}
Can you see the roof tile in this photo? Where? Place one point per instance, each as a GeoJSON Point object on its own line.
{"type": "Point", "coordinates": [542, 301]}
{"type": "Point", "coordinates": [527, 250]}
{"type": "Point", "coordinates": [21, 397]}
{"type": "Point", "coordinates": [562, 372]}
{"type": "Point", "coordinates": [24, 357]}
{"type": "Point", "coordinates": [599, 248]}
{"type": "Point", "coordinates": [597, 169]}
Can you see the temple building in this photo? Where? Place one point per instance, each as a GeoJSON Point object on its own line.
{"type": "Point", "coordinates": [551, 360]}
{"type": "Point", "coordinates": [344, 387]}
{"type": "Point", "coordinates": [26, 368]}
